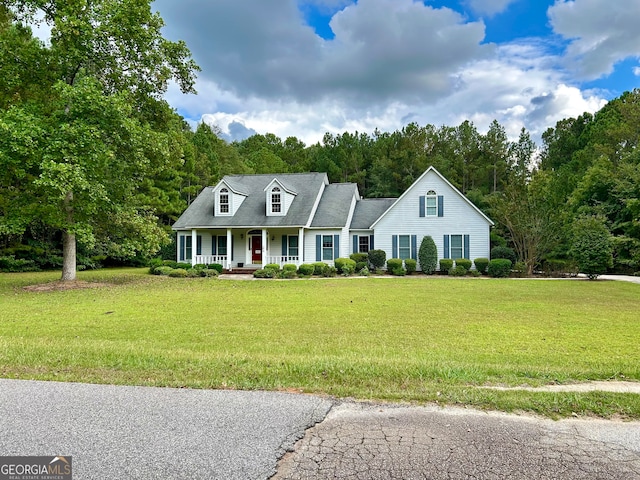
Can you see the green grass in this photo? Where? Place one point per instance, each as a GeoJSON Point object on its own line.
{"type": "Point", "coordinates": [413, 339]}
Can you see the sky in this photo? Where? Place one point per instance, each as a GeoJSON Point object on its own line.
{"type": "Point", "coordinates": [306, 67]}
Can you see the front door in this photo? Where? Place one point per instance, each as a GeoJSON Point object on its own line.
{"type": "Point", "coordinates": [256, 250]}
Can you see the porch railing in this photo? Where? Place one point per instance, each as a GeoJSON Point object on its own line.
{"type": "Point", "coordinates": [282, 259]}
{"type": "Point", "coordinates": [209, 259]}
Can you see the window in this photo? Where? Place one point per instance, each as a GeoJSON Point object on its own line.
{"type": "Point", "coordinates": [327, 247]}
{"type": "Point", "coordinates": [404, 247]}
{"type": "Point", "coordinates": [224, 200]}
{"type": "Point", "coordinates": [363, 244]}
{"type": "Point", "coordinates": [431, 203]}
{"type": "Point", "coordinates": [188, 247]}
{"type": "Point", "coordinates": [293, 245]}
{"type": "Point", "coordinates": [222, 245]}
{"type": "Point", "coordinates": [276, 200]}
{"type": "Point", "coordinates": [457, 250]}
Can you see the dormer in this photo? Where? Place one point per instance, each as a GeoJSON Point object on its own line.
{"type": "Point", "coordinates": [278, 198]}
{"type": "Point", "coordinates": [227, 199]}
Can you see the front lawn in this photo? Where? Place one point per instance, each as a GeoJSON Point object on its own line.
{"type": "Point", "coordinates": [413, 338]}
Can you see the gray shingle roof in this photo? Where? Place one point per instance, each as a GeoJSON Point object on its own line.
{"type": "Point", "coordinates": [333, 210]}
{"type": "Point", "coordinates": [368, 210]}
{"type": "Point", "coordinates": [252, 212]}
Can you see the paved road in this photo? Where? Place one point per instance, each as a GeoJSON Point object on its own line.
{"type": "Point", "coordinates": [161, 433]}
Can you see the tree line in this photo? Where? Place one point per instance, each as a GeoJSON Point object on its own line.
{"type": "Point", "coordinates": [89, 150]}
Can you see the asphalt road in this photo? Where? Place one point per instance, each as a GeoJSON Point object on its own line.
{"type": "Point", "coordinates": [160, 433]}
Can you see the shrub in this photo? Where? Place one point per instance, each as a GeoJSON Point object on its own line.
{"type": "Point", "coordinates": [208, 272]}
{"type": "Point", "coordinates": [558, 267]}
{"type": "Point", "coordinates": [272, 266]}
{"type": "Point", "coordinates": [348, 269]}
{"type": "Point", "coordinates": [318, 267]}
{"type": "Point", "coordinates": [499, 267]}
{"type": "Point", "coordinates": [170, 263]}
{"type": "Point", "coordinates": [394, 264]}
{"type": "Point", "coordinates": [265, 273]}
{"type": "Point", "coordinates": [216, 266]}
{"type": "Point", "coordinates": [377, 258]}
{"type": "Point", "coordinates": [520, 268]}
{"type": "Point", "coordinates": [411, 265]}
{"type": "Point", "coordinates": [428, 255]}
{"type": "Point", "coordinates": [361, 266]}
{"type": "Point", "coordinates": [481, 264]}
{"type": "Point", "coordinates": [503, 252]}
{"type": "Point", "coordinates": [473, 273]}
{"type": "Point", "coordinates": [183, 265]}
{"type": "Point", "coordinates": [163, 270]}
{"type": "Point", "coordinates": [591, 246]}
{"type": "Point", "coordinates": [287, 274]}
{"type": "Point", "coordinates": [458, 271]}
{"type": "Point", "coordinates": [340, 263]}
{"type": "Point", "coordinates": [329, 271]}
{"type": "Point", "coordinates": [464, 262]}
{"type": "Point", "coordinates": [359, 257]}
{"type": "Point", "coordinates": [153, 264]}
{"type": "Point", "coordinates": [200, 266]}
{"type": "Point", "coordinates": [306, 269]}
{"type": "Point", "coordinates": [445, 265]}
{"type": "Point", "coordinates": [194, 272]}
{"type": "Point", "coordinates": [364, 272]}
{"type": "Point", "coordinates": [13, 264]}
{"type": "Point", "coordinates": [290, 267]}
{"type": "Point", "coordinates": [178, 273]}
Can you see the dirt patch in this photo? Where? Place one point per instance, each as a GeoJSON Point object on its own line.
{"type": "Point", "coordinates": [597, 386]}
{"type": "Point", "coordinates": [62, 286]}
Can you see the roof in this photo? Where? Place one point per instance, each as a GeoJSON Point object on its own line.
{"type": "Point", "coordinates": [334, 207]}
{"type": "Point", "coordinates": [252, 212]}
{"type": "Point", "coordinates": [368, 210]}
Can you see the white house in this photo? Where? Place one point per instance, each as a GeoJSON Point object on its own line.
{"type": "Point", "coordinates": [252, 220]}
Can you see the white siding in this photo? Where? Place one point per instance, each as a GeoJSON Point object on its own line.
{"type": "Point", "coordinates": [459, 218]}
{"type": "Point", "coordinates": [310, 244]}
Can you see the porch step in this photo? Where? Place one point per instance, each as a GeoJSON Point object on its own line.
{"type": "Point", "coordinates": [241, 271]}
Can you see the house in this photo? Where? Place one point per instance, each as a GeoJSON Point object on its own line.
{"type": "Point", "coordinates": [253, 220]}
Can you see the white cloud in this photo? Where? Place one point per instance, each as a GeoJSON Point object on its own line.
{"type": "Point", "coordinates": [489, 7]}
{"type": "Point", "coordinates": [601, 33]}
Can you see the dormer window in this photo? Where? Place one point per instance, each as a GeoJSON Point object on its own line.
{"type": "Point", "coordinates": [276, 200]}
{"type": "Point", "coordinates": [431, 203]}
{"type": "Point", "coordinates": [224, 200]}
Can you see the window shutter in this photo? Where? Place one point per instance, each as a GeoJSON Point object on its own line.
{"type": "Point", "coordinates": [394, 246]}
{"type": "Point", "coordinates": [318, 248]}
{"type": "Point", "coordinates": [336, 246]}
{"type": "Point", "coordinates": [355, 244]}
{"type": "Point", "coordinates": [414, 247]}
{"type": "Point", "coordinates": [441, 205]}
{"type": "Point", "coordinates": [446, 246]}
{"type": "Point", "coordinates": [284, 245]}
{"type": "Point", "coordinates": [371, 247]}
{"type": "Point", "coordinates": [214, 245]}
{"type": "Point", "coordinates": [182, 248]}
{"type": "Point", "coordinates": [422, 206]}
{"type": "Point", "coordinates": [466, 246]}
{"type": "Point", "coordinates": [199, 245]}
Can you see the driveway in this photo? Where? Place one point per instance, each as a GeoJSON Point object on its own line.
{"type": "Point", "coordinates": [161, 433]}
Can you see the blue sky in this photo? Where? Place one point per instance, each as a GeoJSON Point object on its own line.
{"type": "Point", "coordinates": [305, 67]}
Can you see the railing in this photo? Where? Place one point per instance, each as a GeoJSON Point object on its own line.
{"type": "Point", "coordinates": [209, 259]}
{"type": "Point", "coordinates": [282, 259]}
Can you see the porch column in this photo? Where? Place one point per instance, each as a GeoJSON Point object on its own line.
{"type": "Point", "coordinates": [264, 247]}
{"type": "Point", "coordinates": [301, 246]}
{"type": "Point", "coordinates": [229, 248]}
{"type": "Point", "coordinates": [194, 244]}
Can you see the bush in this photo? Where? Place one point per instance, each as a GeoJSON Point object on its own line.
{"type": "Point", "coordinates": [503, 252]}
{"type": "Point", "coordinates": [411, 265]}
{"type": "Point", "coordinates": [428, 255]}
{"type": "Point", "coordinates": [445, 265]}
{"type": "Point", "coordinates": [348, 269]}
{"type": "Point", "coordinates": [340, 263]}
{"type": "Point", "coordinates": [194, 272]}
{"type": "Point", "coordinates": [458, 271]}
{"type": "Point", "coordinates": [558, 267]}
{"type": "Point", "coordinates": [216, 266]}
{"type": "Point", "coordinates": [591, 246]}
{"type": "Point", "coordinates": [13, 264]}
{"type": "Point", "coordinates": [265, 273]}
{"type": "Point", "coordinates": [361, 266]}
{"type": "Point", "coordinates": [287, 274]}
{"type": "Point", "coordinates": [318, 267]}
{"type": "Point", "coordinates": [170, 263]}
{"type": "Point", "coordinates": [329, 271]}
{"type": "Point", "coordinates": [182, 265]}
{"type": "Point", "coordinates": [272, 266]}
{"type": "Point", "coordinates": [289, 267]}
{"type": "Point", "coordinates": [377, 258]}
{"type": "Point", "coordinates": [520, 268]}
{"type": "Point", "coordinates": [153, 264]}
{"type": "Point", "coordinates": [364, 272]}
{"type": "Point", "coordinates": [464, 262]}
{"type": "Point", "coordinates": [178, 273]}
{"type": "Point", "coordinates": [163, 270]}
{"type": "Point", "coordinates": [481, 264]}
{"type": "Point", "coordinates": [499, 267]}
{"type": "Point", "coordinates": [394, 264]}
{"type": "Point", "coordinates": [306, 269]}
{"type": "Point", "coordinates": [359, 257]}
{"type": "Point", "coordinates": [208, 272]}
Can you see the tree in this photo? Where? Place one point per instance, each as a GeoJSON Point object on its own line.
{"type": "Point", "coordinates": [591, 246]}
{"type": "Point", "coordinates": [89, 146]}
{"type": "Point", "coordinates": [428, 255]}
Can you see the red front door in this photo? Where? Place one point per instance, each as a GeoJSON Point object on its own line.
{"type": "Point", "coordinates": [256, 250]}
